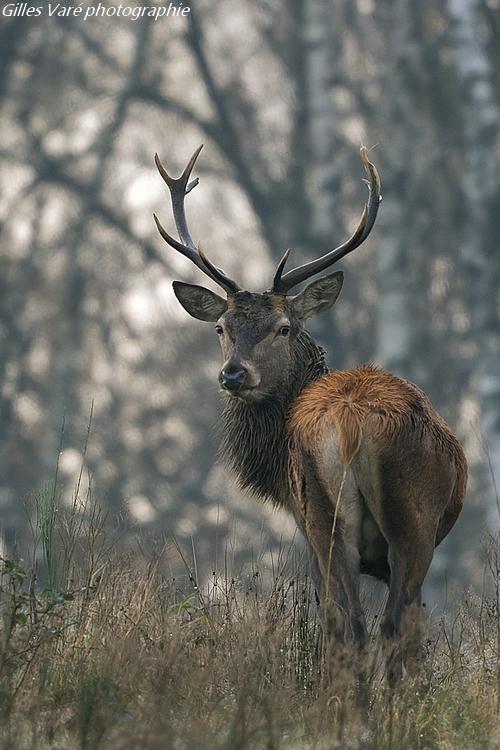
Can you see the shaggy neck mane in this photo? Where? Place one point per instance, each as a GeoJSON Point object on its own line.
{"type": "Point", "coordinates": [255, 435]}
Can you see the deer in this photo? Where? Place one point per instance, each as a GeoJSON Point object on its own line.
{"type": "Point", "coordinates": [373, 476]}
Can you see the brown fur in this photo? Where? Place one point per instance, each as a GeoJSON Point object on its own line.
{"type": "Point", "coordinates": [369, 446]}
{"type": "Point", "coordinates": [347, 399]}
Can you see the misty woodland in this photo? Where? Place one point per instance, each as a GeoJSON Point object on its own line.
{"type": "Point", "coordinates": [167, 580]}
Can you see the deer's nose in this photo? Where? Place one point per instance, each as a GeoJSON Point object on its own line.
{"type": "Point", "coordinates": [233, 377]}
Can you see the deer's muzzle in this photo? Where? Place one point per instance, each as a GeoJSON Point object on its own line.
{"type": "Point", "coordinates": [233, 377]}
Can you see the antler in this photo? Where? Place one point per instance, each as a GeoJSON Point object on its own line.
{"type": "Point", "coordinates": [283, 284]}
{"type": "Point", "coordinates": [179, 187]}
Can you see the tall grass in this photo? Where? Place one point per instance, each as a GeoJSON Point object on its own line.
{"type": "Point", "coordinates": [111, 652]}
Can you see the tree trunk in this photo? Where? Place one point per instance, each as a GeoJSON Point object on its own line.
{"type": "Point", "coordinates": [480, 195]}
{"type": "Point", "coordinates": [396, 318]}
{"type": "Point", "coordinates": [321, 119]}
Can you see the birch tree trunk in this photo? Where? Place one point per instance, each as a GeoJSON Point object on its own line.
{"type": "Point", "coordinates": [480, 194]}
{"type": "Point", "coordinates": [396, 318]}
{"type": "Point", "coordinates": [325, 161]}
{"type": "Point", "coordinates": [320, 115]}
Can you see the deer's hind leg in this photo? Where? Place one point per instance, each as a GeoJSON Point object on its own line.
{"type": "Point", "coordinates": [401, 624]}
{"type": "Point", "coordinates": [333, 537]}
{"type": "Point", "coordinates": [410, 526]}
{"type": "Point", "coordinates": [409, 566]}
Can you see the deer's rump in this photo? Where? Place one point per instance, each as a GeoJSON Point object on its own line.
{"type": "Point", "coordinates": [401, 466]}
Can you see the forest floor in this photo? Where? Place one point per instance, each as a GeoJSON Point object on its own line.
{"type": "Point", "coordinates": [112, 654]}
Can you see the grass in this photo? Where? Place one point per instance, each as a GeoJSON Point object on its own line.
{"type": "Point", "coordinates": [110, 652]}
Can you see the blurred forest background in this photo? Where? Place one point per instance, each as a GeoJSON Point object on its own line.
{"type": "Point", "coordinates": [282, 93]}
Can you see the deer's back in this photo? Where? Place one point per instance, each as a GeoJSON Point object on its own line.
{"type": "Point", "coordinates": [386, 431]}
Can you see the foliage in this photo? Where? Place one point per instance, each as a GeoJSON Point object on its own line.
{"type": "Point", "coordinates": [126, 659]}
{"type": "Point", "coordinates": [281, 94]}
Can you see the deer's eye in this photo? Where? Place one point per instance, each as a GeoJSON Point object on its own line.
{"type": "Point", "coordinates": [219, 330]}
{"type": "Point", "coordinates": [284, 330]}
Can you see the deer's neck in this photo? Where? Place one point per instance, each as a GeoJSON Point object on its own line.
{"type": "Point", "coordinates": [255, 440]}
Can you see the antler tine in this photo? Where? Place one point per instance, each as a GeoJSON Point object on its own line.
{"type": "Point", "coordinates": [279, 270]}
{"type": "Point", "coordinates": [374, 197]}
{"type": "Point", "coordinates": [179, 187]}
{"type": "Point", "coordinates": [217, 274]}
{"type": "Point", "coordinates": [282, 284]}
{"type": "Point", "coordinates": [189, 252]}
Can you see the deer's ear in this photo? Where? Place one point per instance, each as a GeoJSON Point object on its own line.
{"type": "Point", "coordinates": [199, 302]}
{"type": "Point", "coordinates": [318, 296]}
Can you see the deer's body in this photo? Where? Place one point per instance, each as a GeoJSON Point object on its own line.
{"type": "Point", "coordinates": [372, 474]}
{"type": "Point", "coordinates": [364, 443]}
{"type": "Point", "coordinates": [370, 446]}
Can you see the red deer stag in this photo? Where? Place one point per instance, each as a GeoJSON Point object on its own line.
{"type": "Point", "coordinates": [372, 474]}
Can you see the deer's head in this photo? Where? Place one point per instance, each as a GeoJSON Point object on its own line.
{"type": "Point", "coordinates": [258, 332]}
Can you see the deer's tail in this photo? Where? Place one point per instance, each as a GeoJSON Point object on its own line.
{"type": "Point", "coordinates": [348, 418]}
